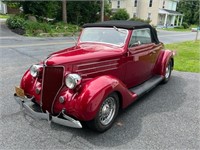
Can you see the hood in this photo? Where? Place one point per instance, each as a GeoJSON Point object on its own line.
{"type": "Point", "coordinates": [83, 53]}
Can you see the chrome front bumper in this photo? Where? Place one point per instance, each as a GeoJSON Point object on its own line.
{"type": "Point", "coordinates": [26, 104]}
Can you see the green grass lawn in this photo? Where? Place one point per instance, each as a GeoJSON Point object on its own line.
{"type": "Point", "coordinates": [177, 29]}
{"type": "Point", "coordinates": [187, 56]}
{"type": "Point", "coordinates": [180, 29]}
{"type": "Point", "coordinates": [2, 16]}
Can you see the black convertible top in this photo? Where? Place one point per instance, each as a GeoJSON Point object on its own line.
{"type": "Point", "coordinates": [125, 24]}
{"type": "Point", "coordinates": [119, 24]}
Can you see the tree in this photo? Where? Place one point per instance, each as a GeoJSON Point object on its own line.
{"type": "Point", "coordinates": [107, 10]}
{"type": "Point", "coordinates": [75, 12]}
{"type": "Point", "coordinates": [64, 11]}
{"type": "Point", "coordinates": [102, 10]}
{"type": "Point", "coordinates": [121, 14]}
{"type": "Point", "coordinates": [41, 8]}
{"type": "Point", "coordinates": [12, 4]}
{"type": "Point", "coordinates": [80, 12]}
{"type": "Point", "coordinates": [191, 11]}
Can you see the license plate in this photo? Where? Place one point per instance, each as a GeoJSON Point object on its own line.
{"type": "Point", "coordinates": [19, 92]}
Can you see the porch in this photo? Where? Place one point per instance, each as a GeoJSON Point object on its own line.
{"type": "Point", "coordinates": [169, 18]}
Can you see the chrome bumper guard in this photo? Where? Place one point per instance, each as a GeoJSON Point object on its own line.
{"type": "Point", "coordinates": [26, 103]}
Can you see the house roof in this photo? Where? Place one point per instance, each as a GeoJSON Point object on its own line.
{"type": "Point", "coordinates": [119, 24]}
{"type": "Point", "coordinates": [166, 11]}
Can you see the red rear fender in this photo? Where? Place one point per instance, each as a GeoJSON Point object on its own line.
{"type": "Point", "coordinates": [162, 61]}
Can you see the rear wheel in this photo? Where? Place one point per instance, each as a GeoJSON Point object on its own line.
{"type": "Point", "coordinates": [107, 114]}
{"type": "Point", "coordinates": [168, 71]}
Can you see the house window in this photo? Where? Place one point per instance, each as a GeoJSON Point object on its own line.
{"type": "Point", "coordinates": [118, 4]}
{"type": "Point", "coordinates": [134, 15]}
{"type": "Point", "coordinates": [149, 16]}
{"type": "Point", "coordinates": [135, 3]}
{"type": "Point", "coordinates": [150, 3]}
{"type": "Point", "coordinates": [163, 4]}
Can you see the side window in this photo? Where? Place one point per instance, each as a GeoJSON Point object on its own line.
{"type": "Point", "coordinates": [140, 36]}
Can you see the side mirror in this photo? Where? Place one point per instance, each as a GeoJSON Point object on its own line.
{"type": "Point", "coordinates": [136, 44]}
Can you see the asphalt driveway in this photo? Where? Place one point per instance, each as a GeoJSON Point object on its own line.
{"type": "Point", "coordinates": [166, 118]}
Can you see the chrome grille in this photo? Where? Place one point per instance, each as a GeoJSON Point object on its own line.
{"type": "Point", "coordinates": [52, 83]}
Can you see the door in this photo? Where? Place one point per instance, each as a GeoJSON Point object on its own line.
{"type": "Point", "coordinates": [141, 57]}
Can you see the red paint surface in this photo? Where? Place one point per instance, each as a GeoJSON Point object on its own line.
{"type": "Point", "coordinates": [105, 69]}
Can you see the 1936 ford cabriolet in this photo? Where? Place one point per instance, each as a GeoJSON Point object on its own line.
{"type": "Point", "coordinates": [112, 65]}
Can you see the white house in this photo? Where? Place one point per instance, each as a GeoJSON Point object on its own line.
{"type": "Point", "coordinates": [3, 8]}
{"type": "Point", "coordinates": [162, 13]}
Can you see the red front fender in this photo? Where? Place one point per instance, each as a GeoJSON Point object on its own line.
{"type": "Point", "coordinates": [29, 84]}
{"type": "Point", "coordinates": [162, 61]}
{"type": "Point", "coordinates": [85, 104]}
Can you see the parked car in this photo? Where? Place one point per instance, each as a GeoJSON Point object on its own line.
{"type": "Point", "coordinates": [111, 66]}
{"type": "Point", "coordinates": [194, 30]}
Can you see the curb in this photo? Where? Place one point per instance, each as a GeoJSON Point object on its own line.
{"type": "Point", "coordinates": [3, 19]}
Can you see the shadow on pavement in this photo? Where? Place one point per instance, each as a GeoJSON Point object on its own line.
{"type": "Point", "coordinates": [128, 125]}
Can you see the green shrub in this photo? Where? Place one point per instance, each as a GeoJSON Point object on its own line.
{"type": "Point", "coordinates": [15, 22]}
{"type": "Point", "coordinates": [35, 28]}
{"type": "Point", "coordinates": [22, 26]}
{"type": "Point", "coordinates": [121, 14]}
{"type": "Point", "coordinates": [139, 19]}
{"type": "Point", "coordinates": [185, 25]}
{"type": "Point", "coordinates": [63, 27]}
{"type": "Point", "coordinates": [179, 27]}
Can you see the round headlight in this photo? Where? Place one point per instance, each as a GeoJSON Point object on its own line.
{"type": "Point", "coordinates": [35, 70]}
{"type": "Point", "coordinates": [72, 80]}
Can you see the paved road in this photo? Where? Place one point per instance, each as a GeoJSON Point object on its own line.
{"type": "Point", "coordinates": [168, 37]}
{"type": "Point", "coordinates": [20, 41]}
{"type": "Point", "coordinates": [166, 118]}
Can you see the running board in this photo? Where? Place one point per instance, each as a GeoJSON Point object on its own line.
{"type": "Point", "coordinates": [146, 86]}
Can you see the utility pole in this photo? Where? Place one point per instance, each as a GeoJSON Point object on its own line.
{"type": "Point", "coordinates": [197, 34]}
{"type": "Point", "coordinates": [102, 10]}
{"type": "Point", "coordinates": [64, 11]}
{"type": "Point", "coordinates": [198, 28]}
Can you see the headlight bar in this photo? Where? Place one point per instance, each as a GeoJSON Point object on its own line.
{"type": "Point", "coordinates": [72, 80]}
{"type": "Point", "coordinates": [35, 70]}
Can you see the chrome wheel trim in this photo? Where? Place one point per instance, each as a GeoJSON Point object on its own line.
{"type": "Point", "coordinates": [167, 71]}
{"type": "Point", "coordinates": [107, 111]}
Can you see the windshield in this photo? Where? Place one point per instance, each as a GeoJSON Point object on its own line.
{"type": "Point", "coordinates": [114, 36]}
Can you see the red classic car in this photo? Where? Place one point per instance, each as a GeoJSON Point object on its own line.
{"type": "Point", "coordinates": [112, 65]}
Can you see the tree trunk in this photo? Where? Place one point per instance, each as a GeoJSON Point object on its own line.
{"type": "Point", "coordinates": [102, 10]}
{"type": "Point", "coordinates": [64, 11]}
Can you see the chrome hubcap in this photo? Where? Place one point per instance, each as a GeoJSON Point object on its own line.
{"type": "Point", "coordinates": [107, 111]}
{"type": "Point", "coordinates": [167, 71]}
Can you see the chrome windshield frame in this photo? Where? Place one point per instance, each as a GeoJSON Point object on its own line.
{"type": "Point", "coordinates": [118, 45]}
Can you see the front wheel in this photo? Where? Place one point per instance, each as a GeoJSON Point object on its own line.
{"type": "Point", "coordinates": [107, 114]}
{"type": "Point", "coordinates": [168, 71]}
